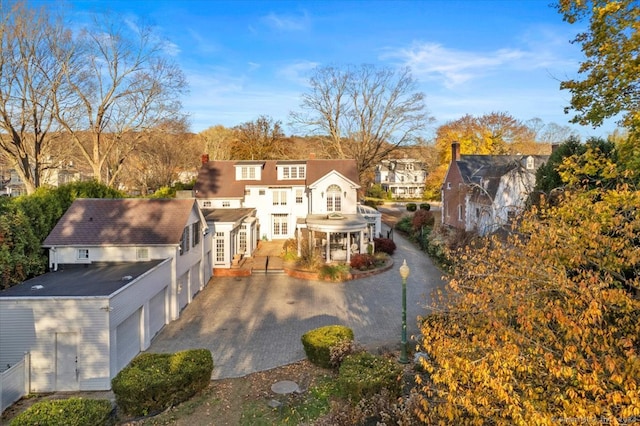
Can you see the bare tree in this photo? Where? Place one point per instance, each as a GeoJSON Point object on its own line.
{"type": "Point", "coordinates": [29, 79]}
{"type": "Point", "coordinates": [365, 111]}
{"type": "Point", "coordinates": [216, 141]}
{"type": "Point", "coordinates": [262, 139]}
{"type": "Point", "coordinates": [121, 83]}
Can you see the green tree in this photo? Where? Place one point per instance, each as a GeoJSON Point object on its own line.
{"type": "Point", "coordinates": [608, 84]}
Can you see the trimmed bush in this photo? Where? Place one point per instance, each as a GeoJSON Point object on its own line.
{"type": "Point", "coordinates": [425, 206]}
{"type": "Point", "coordinates": [404, 225]}
{"type": "Point", "coordinates": [154, 382]}
{"type": "Point", "coordinates": [363, 375]}
{"type": "Point", "coordinates": [70, 412]}
{"type": "Point", "coordinates": [317, 343]}
{"type": "Point", "coordinates": [363, 262]}
{"type": "Point", "coordinates": [384, 245]}
{"type": "Point", "coordinates": [411, 207]}
{"type": "Point", "coordinates": [337, 272]}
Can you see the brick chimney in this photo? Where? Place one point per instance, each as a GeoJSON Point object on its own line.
{"type": "Point", "coordinates": [455, 151]}
{"type": "Point", "coordinates": [312, 156]}
{"type": "Point", "coordinates": [204, 159]}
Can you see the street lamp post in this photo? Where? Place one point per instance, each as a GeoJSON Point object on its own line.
{"type": "Point", "coordinates": [404, 274]}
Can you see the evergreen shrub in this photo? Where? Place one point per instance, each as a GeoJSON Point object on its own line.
{"type": "Point", "coordinates": [318, 342]}
{"type": "Point", "coordinates": [70, 412]}
{"type": "Point", "coordinates": [154, 382]}
{"type": "Point", "coordinates": [363, 375]}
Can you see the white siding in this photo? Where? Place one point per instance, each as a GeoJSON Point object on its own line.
{"type": "Point", "coordinates": [31, 324]}
{"type": "Point", "coordinates": [157, 312]}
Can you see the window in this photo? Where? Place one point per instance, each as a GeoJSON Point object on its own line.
{"type": "Point", "coordinates": [530, 163]}
{"type": "Point", "coordinates": [409, 166]}
{"type": "Point", "coordinates": [293, 172]}
{"type": "Point", "coordinates": [247, 191]}
{"type": "Point", "coordinates": [448, 185]}
{"type": "Point", "coordinates": [206, 204]}
{"type": "Point", "coordinates": [226, 204]}
{"type": "Point", "coordinates": [334, 198]}
{"type": "Point", "coordinates": [279, 198]}
{"type": "Point", "coordinates": [142, 253]}
{"type": "Point", "coordinates": [242, 241]}
{"type": "Point", "coordinates": [459, 211]}
{"type": "Point", "coordinates": [298, 196]}
{"type": "Point", "coordinates": [219, 247]}
{"type": "Point", "coordinates": [261, 192]}
{"type": "Point", "coordinates": [195, 230]}
{"type": "Point", "coordinates": [83, 254]}
{"type": "Point", "coordinates": [184, 241]}
{"type": "Point", "coordinates": [280, 225]}
{"type": "Point", "coordinates": [247, 172]}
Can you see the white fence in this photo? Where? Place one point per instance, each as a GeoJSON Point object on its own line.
{"type": "Point", "coordinates": [14, 382]}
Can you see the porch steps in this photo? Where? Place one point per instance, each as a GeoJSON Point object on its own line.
{"type": "Point", "coordinates": [267, 265]}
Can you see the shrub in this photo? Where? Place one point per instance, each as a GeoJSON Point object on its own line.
{"type": "Point", "coordinates": [425, 206]}
{"type": "Point", "coordinates": [363, 262]}
{"type": "Point", "coordinates": [333, 272]}
{"type": "Point", "coordinates": [411, 207]}
{"type": "Point", "coordinates": [422, 218]}
{"type": "Point", "coordinates": [341, 350]}
{"type": "Point", "coordinates": [317, 343]}
{"type": "Point", "coordinates": [71, 412]}
{"type": "Point", "coordinates": [154, 382]}
{"type": "Point", "coordinates": [363, 375]}
{"type": "Point", "coordinates": [384, 245]}
{"type": "Point", "coordinates": [404, 225]}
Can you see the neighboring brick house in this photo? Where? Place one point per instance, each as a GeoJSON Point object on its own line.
{"type": "Point", "coordinates": [121, 270]}
{"type": "Point", "coordinates": [482, 193]}
{"type": "Point", "coordinates": [404, 178]}
{"type": "Point", "coordinates": [245, 201]}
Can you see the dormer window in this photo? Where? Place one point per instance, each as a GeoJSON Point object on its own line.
{"type": "Point", "coordinates": [291, 172]}
{"type": "Point", "coordinates": [248, 171]}
{"type": "Point", "coordinates": [530, 163]}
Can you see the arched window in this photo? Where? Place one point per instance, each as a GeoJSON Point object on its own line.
{"type": "Point", "coordinates": [334, 198]}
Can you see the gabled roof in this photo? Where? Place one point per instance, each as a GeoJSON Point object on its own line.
{"type": "Point", "coordinates": [476, 169]}
{"type": "Point", "coordinates": [124, 221]}
{"type": "Point", "coordinates": [217, 179]}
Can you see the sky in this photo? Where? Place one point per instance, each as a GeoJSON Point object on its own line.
{"type": "Point", "coordinates": [244, 59]}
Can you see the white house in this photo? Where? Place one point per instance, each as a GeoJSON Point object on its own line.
{"type": "Point", "coordinates": [484, 192]}
{"type": "Point", "coordinates": [121, 270]}
{"type": "Point", "coordinates": [404, 178]}
{"type": "Point", "coordinates": [245, 201]}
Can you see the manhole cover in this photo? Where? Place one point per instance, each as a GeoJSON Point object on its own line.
{"type": "Point", "coordinates": [285, 387]}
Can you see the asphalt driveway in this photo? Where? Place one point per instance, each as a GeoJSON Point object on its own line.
{"type": "Point", "coordinates": [255, 323]}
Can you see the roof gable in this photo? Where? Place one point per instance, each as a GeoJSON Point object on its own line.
{"type": "Point", "coordinates": [124, 221]}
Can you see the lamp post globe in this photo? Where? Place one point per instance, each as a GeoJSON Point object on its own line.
{"type": "Point", "coordinates": [404, 274]}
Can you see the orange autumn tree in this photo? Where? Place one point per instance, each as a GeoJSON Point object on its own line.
{"type": "Point", "coordinates": [543, 327]}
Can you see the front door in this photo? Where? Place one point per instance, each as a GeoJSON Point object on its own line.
{"type": "Point", "coordinates": [280, 226]}
{"type": "Point", "coordinates": [67, 362]}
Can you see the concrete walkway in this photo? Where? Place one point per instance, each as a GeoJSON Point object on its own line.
{"type": "Point", "coordinates": [255, 323]}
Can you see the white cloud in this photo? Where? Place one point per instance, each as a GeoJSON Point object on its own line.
{"type": "Point", "coordinates": [298, 72]}
{"type": "Point", "coordinates": [287, 22]}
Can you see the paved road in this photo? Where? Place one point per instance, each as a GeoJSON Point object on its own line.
{"type": "Point", "coordinates": [255, 323]}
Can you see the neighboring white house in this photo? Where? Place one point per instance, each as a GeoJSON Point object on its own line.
{"type": "Point", "coordinates": [484, 192]}
{"type": "Point", "coordinates": [404, 178]}
{"type": "Point", "coordinates": [245, 201]}
{"type": "Point", "coordinates": [121, 270]}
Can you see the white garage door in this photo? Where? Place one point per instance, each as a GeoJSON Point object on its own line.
{"type": "Point", "coordinates": [128, 339]}
{"type": "Point", "coordinates": [183, 290]}
{"type": "Point", "coordinates": [157, 312]}
{"type": "Point", "coordinates": [195, 279]}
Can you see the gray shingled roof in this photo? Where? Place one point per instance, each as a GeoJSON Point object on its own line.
{"type": "Point", "coordinates": [217, 179]}
{"type": "Point", "coordinates": [490, 168]}
{"type": "Point", "coordinates": [125, 221]}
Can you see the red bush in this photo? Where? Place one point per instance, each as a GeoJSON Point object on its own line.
{"type": "Point", "coordinates": [384, 245]}
{"type": "Point", "coordinates": [422, 218]}
{"type": "Point", "coordinates": [363, 262]}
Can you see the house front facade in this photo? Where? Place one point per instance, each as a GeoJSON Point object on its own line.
{"type": "Point", "coordinates": [482, 193]}
{"type": "Point", "coordinates": [403, 178]}
{"type": "Point", "coordinates": [281, 199]}
{"type": "Point", "coordinates": [120, 270]}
